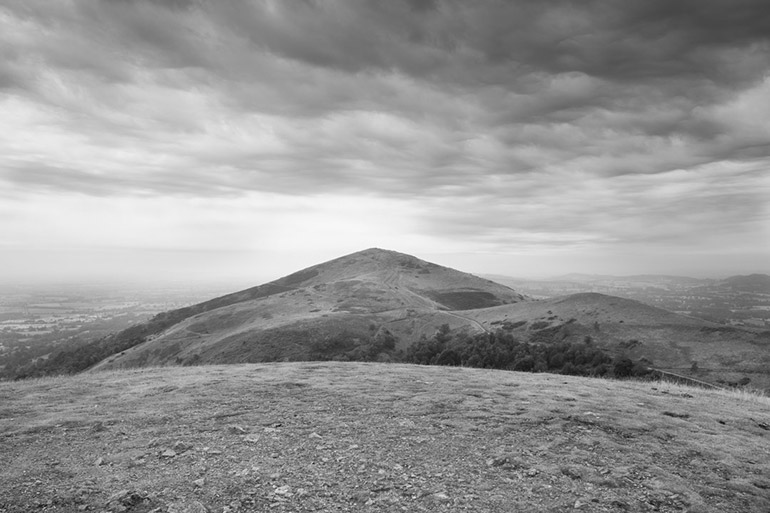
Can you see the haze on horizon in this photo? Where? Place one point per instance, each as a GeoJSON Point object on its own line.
{"type": "Point", "coordinates": [240, 141]}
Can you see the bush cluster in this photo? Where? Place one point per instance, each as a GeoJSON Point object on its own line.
{"type": "Point", "coordinates": [350, 346]}
{"type": "Point", "coordinates": [500, 350]}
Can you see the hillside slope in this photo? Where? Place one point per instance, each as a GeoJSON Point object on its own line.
{"type": "Point", "coordinates": [665, 340]}
{"type": "Point", "coordinates": [306, 437]}
{"type": "Point", "coordinates": [375, 305]}
{"type": "Point", "coordinates": [343, 301]}
{"type": "Point", "coordinates": [757, 283]}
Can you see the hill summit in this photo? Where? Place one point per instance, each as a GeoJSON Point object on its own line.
{"type": "Point", "coordinates": [323, 311]}
{"type": "Point", "coordinates": [403, 278]}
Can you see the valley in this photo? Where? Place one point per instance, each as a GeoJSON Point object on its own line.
{"type": "Point", "coordinates": [37, 320]}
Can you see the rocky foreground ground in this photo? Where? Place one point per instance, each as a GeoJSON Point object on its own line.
{"type": "Point", "coordinates": [301, 437]}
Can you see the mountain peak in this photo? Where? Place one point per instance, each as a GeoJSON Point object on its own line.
{"type": "Point", "coordinates": [390, 272]}
{"type": "Point", "coordinates": [354, 297]}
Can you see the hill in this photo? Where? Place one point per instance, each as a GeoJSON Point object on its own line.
{"type": "Point", "coordinates": [372, 301]}
{"type": "Point", "coordinates": [757, 283]}
{"type": "Point", "coordinates": [737, 301]}
{"type": "Point", "coordinates": [376, 305]}
{"type": "Point", "coordinates": [662, 339]}
{"type": "Point", "coordinates": [373, 437]}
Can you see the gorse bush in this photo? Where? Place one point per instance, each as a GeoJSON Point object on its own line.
{"type": "Point", "coordinates": [354, 346]}
{"type": "Point", "coordinates": [500, 350]}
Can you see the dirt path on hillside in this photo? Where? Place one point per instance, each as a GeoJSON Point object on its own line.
{"type": "Point", "coordinates": [304, 437]}
{"type": "Point", "coordinates": [468, 319]}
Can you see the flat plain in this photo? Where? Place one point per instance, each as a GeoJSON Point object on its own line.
{"type": "Point", "coordinates": [300, 437]}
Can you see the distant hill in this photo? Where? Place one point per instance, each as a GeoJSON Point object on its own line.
{"type": "Point", "coordinates": [757, 283]}
{"type": "Point", "coordinates": [593, 281]}
{"type": "Point", "coordinates": [635, 278]}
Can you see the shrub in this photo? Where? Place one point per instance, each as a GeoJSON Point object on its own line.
{"type": "Point", "coordinates": [623, 367]}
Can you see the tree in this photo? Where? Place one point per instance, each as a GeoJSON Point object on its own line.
{"type": "Point", "coordinates": [448, 357]}
{"type": "Point", "coordinates": [443, 334]}
{"type": "Point", "coordinates": [556, 361]}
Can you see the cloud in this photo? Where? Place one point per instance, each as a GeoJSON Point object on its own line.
{"type": "Point", "coordinates": [547, 124]}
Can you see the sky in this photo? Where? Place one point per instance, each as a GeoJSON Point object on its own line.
{"type": "Point", "coordinates": [245, 139]}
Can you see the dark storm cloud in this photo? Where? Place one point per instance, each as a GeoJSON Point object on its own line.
{"type": "Point", "coordinates": [500, 41]}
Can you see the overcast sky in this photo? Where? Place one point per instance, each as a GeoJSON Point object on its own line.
{"type": "Point", "coordinates": [245, 139]}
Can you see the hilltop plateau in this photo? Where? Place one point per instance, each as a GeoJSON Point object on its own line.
{"type": "Point", "coordinates": [331, 436]}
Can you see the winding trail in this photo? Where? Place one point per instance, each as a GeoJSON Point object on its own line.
{"type": "Point", "coordinates": [468, 319]}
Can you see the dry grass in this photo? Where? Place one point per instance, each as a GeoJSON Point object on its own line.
{"type": "Point", "coordinates": [373, 437]}
{"type": "Point", "coordinates": [741, 395]}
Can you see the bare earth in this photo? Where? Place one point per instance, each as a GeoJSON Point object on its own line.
{"type": "Point", "coordinates": [297, 437]}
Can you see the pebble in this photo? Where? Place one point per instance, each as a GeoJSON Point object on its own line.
{"type": "Point", "coordinates": [181, 447]}
{"type": "Point", "coordinates": [282, 490]}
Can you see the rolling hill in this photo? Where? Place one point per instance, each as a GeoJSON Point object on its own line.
{"type": "Point", "coordinates": [661, 339]}
{"type": "Point", "coordinates": [321, 311]}
{"type": "Point", "coordinates": [757, 283]}
{"type": "Point", "coordinates": [376, 304]}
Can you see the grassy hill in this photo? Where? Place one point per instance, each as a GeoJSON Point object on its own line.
{"type": "Point", "coordinates": [757, 283]}
{"type": "Point", "coordinates": [375, 305]}
{"type": "Point", "coordinates": [375, 437]}
{"type": "Point", "coordinates": [665, 340]}
{"type": "Point", "coordinates": [307, 315]}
